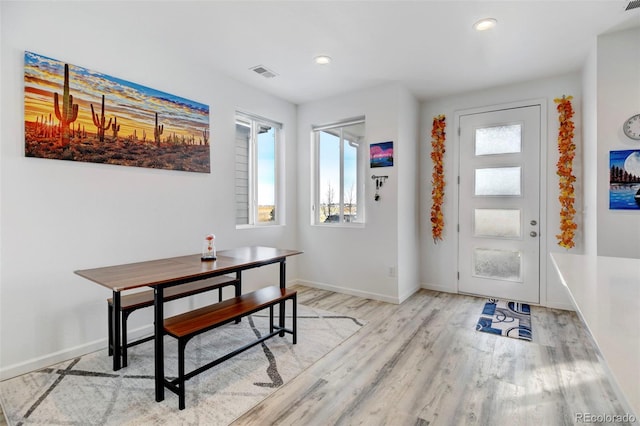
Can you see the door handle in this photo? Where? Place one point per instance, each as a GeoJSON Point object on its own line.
{"type": "Point", "coordinates": [533, 233]}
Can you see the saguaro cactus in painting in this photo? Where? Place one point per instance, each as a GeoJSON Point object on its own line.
{"type": "Point", "coordinates": [69, 112]}
{"type": "Point", "coordinates": [157, 131]}
{"type": "Point", "coordinates": [100, 122]}
{"type": "Point", "coordinates": [115, 127]}
{"type": "Point", "coordinates": [205, 136]}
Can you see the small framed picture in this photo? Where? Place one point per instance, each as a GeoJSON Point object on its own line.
{"type": "Point", "coordinates": [381, 154]}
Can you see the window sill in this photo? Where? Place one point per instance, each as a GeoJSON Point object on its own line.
{"type": "Point", "coordinates": [265, 226]}
{"type": "Point", "coordinates": [352, 225]}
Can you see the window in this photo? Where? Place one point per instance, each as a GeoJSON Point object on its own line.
{"type": "Point", "coordinates": [257, 144]}
{"type": "Point", "coordinates": [338, 173]}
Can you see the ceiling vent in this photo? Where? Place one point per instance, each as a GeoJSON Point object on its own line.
{"type": "Point", "coordinates": [633, 4]}
{"type": "Point", "coordinates": [263, 71]}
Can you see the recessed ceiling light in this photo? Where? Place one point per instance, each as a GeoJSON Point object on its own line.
{"type": "Point", "coordinates": [322, 59]}
{"type": "Point", "coordinates": [485, 24]}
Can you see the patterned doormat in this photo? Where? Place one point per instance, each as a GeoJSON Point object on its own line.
{"type": "Point", "coordinates": [511, 319]}
{"type": "Point", "coordinates": [86, 391]}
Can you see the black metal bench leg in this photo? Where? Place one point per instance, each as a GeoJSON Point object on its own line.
{"type": "Point", "coordinates": [270, 319]}
{"type": "Point", "coordinates": [125, 316]}
{"type": "Point", "coordinates": [238, 289]}
{"type": "Point", "coordinates": [281, 319]}
{"type": "Point", "coordinates": [181, 381]}
{"type": "Point", "coordinates": [110, 327]}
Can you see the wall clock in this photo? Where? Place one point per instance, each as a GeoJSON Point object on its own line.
{"type": "Point", "coordinates": [631, 127]}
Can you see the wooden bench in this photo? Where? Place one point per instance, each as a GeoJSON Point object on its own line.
{"type": "Point", "coordinates": [134, 301]}
{"type": "Point", "coordinates": [190, 324]}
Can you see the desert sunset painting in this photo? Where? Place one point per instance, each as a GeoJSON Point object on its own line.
{"type": "Point", "coordinates": [72, 113]}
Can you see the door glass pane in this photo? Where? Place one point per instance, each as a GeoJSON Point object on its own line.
{"type": "Point", "coordinates": [498, 181]}
{"type": "Point", "coordinates": [497, 264]}
{"type": "Point", "coordinates": [503, 223]}
{"type": "Point", "coordinates": [499, 139]}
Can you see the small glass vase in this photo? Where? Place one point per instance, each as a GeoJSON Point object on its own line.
{"type": "Point", "coordinates": [209, 247]}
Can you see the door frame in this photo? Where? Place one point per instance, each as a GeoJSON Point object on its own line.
{"type": "Point", "coordinates": [544, 251]}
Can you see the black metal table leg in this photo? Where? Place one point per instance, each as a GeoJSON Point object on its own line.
{"type": "Point", "coordinates": [110, 326]}
{"type": "Point", "coordinates": [294, 317]}
{"type": "Point", "coordinates": [283, 284]}
{"type": "Point", "coordinates": [115, 330]}
{"type": "Point", "coordinates": [158, 319]}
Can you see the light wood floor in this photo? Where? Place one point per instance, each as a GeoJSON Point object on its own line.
{"type": "Point", "coordinates": [423, 363]}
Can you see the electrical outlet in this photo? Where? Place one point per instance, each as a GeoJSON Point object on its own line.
{"type": "Point", "coordinates": [391, 271]}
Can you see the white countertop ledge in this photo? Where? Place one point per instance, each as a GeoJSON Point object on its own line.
{"type": "Point", "coordinates": [606, 294]}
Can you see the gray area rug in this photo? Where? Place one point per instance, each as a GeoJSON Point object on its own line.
{"type": "Point", "coordinates": [86, 391]}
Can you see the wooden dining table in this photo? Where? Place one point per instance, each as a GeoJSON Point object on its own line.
{"type": "Point", "coordinates": [162, 273]}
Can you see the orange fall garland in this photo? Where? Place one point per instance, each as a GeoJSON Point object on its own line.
{"type": "Point", "coordinates": [437, 193]}
{"type": "Point", "coordinates": [567, 150]}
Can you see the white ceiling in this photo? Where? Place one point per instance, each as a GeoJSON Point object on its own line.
{"type": "Point", "coordinates": [428, 46]}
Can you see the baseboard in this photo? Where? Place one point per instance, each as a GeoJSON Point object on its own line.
{"type": "Point", "coordinates": [66, 354]}
{"type": "Point", "coordinates": [560, 305]}
{"type": "Point", "coordinates": [409, 293]}
{"type": "Point", "coordinates": [350, 291]}
{"type": "Point", "coordinates": [50, 359]}
{"type": "Point", "coordinates": [550, 304]}
{"type": "Point", "coordinates": [436, 287]}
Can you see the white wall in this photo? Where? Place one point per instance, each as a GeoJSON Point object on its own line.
{"type": "Point", "coordinates": [590, 151]}
{"type": "Point", "coordinates": [407, 149]}
{"type": "Point", "coordinates": [439, 261]}
{"type": "Point", "coordinates": [618, 77]}
{"type": "Point", "coordinates": [59, 216]}
{"type": "Point", "coordinates": [356, 260]}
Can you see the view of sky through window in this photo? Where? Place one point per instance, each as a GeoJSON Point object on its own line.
{"type": "Point", "coordinates": [330, 170]}
{"type": "Point", "coordinates": [266, 168]}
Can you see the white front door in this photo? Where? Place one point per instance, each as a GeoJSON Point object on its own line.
{"type": "Point", "coordinates": [499, 204]}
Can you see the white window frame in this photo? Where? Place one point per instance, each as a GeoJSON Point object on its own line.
{"type": "Point", "coordinates": [253, 122]}
{"type": "Point", "coordinates": [316, 202]}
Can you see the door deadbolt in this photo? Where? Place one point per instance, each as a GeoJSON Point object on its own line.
{"type": "Point", "coordinates": [533, 223]}
{"type": "Point", "coordinates": [533, 233]}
